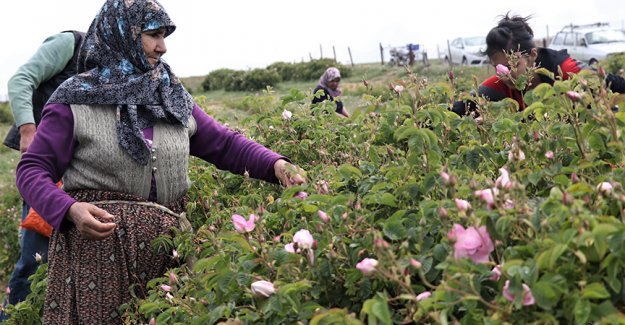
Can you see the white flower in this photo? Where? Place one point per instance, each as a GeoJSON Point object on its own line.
{"type": "Point", "coordinates": [304, 239]}
{"type": "Point", "coordinates": [263, 288]}
{"type": "Point", "coordinates": [605, 187]}
{"type": "Point", "coordinates": [286, 115]}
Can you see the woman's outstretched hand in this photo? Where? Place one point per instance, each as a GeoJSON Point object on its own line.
{"type": "Point", "coordinates": [85, 216]}
{"type": "Point", "coordinates": [289, 174]}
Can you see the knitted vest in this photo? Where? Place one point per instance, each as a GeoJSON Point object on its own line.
{"type": "Point", "coordinates": [100, 163]}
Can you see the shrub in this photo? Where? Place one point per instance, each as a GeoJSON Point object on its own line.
{"type": "Point", "coordinates": [614, 64]}
{"type": "Point", "coordinates": [259, 79]}
{"type": "Point", "coordinates": [6, 116]}
{"type": "Point", "coordinates": [284, 69]}
{"type": "Point", "coordinates": [217, 79]}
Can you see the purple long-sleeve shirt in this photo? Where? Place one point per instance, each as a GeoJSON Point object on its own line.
{"type": "Point", "coordinates": [51, 151]}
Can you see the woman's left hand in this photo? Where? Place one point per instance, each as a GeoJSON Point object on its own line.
{"type": "Point", "coordinates": [289, 174]}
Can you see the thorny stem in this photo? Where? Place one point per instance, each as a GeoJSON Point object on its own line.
{"type": "Point", "coordinates": [575, 125]}
{"type": "Point", "coordinates": [474, 293]}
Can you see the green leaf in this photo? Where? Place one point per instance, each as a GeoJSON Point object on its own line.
{"type": "Point", "coordinates": [579, 189]}
{"type": "Point", "coordinates": [595, 291]}
{"type": "Point", "coordinates": [334, 316]}
{"type": "Point", "coordinates": [548, 258]}
{"type": "Point", "coordinates": [582, 311]}
{"type": "Point", "coordinates": [545, 295]}
{"type": "Point", "coordinates": [404, 132]}
{"type": "Point", "coordinates": [546, 73]}
{"type": "Point", "coordinates": [381, 311]}
{"type": "Point", "coordinates": [309, 208]}
{"type": "Point", "coordinates": [349, 171]}
{"type": "Point", "coordinates": [388, 199]}
{"type": "Point", "coordinates": [394, 229]}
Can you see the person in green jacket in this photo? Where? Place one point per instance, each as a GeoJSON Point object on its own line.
{"type": "Point", "coordinates": [29, 90]}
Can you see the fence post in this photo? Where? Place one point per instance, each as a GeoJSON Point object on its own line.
{"type": "Point", "coordinates": [350, 56]}
{"type": "Point", "coordinates": [334, 51]}
{"type": "Point", "coordinates": [320, 51]}
{"type": "Point", "coordinates": [382, 53]}
{"type": "Point", "coordinates": [449, 52]}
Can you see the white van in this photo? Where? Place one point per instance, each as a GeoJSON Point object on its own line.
{"type": "Point", "coordinates": [590, 43]}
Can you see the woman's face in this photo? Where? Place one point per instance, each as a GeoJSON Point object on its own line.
{"type": "Point", "coordinates": [334, 83]}
{"type": "Point", "coordinates": [153, 42]}
{"type": "Point", "coordinates": [523, 63]}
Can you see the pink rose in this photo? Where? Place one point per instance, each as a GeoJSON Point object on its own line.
{"type": "Point", "coordinates": [263, 288]}
{"type": "Point", "coordinates": [291, 248]}
{"type": "Point", "coordinates": [462, 205]}
{"type": "Point", "coordinates": [165, 288]}
{"type": "Point", "coordinates": [503, 181]}
{"type": "Point", "coordinates": [398, 89]}
{"type": "Point", "coordinates": [323, 216]}
{"type": "Point", "coordinates": [472, 243]}
{"type": "Point", "coordinates": [452, 235]}
{"type": "Point", "coordinates": [367, 265]}
{"type": "Point", "coordinates": [423, 295]}
{"type": "Point", "coordinates": [496, 273]}
{"type": "Point", "coordinates": [502, 70]}
{"type": "Point", "coordinates": [301, 195]}
{"type": "Point", "coordinates": [549, 154]}
{"type": "Point", "coordinates": [488, 196]}
{"type": "Point", "coordinates": [303, 239]}
{"type": "Point", "coordinates": [173, 279]}
{"type": "Point", "coordinates": [243, 226]}
{"type": "Point", "coordinates": [574, 96]}
{"type": "Point", "coordinates": [445, 177]}
{"type": "Point", "coordinates": [528, 298]}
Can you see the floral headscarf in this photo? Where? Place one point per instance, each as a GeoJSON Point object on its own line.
{"type": "Point", "coordinates": [329, 75]}
{"type": "Point", "coordinates": [113, 69]}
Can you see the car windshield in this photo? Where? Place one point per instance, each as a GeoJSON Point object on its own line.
{"type": "Point", "coordinates": [475, 41]}
{"type": "Point", "coordinates": [605, 36]}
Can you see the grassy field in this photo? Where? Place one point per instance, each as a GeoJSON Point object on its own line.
{"type": "Point", "coordinates": [229, 106]}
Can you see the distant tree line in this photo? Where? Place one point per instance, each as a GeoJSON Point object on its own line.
{"type": "Point", "coordinates": [257, 79]}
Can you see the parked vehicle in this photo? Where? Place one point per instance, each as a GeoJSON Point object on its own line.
{"type": "Point", "coordinates": [590, 43]}
{"type": "Point", "coordinates": [467, 51]}
{"type": "Point", "coordinates": [400, 55]}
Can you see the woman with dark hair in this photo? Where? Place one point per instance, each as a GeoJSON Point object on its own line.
{"type": "Point", "coordinates": [511, 44]}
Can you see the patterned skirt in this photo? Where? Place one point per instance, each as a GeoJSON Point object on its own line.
{"type": "Point", "coordinates": [88, 280]}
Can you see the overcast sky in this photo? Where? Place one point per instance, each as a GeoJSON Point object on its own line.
{"type": "Point", "coordinates": [243, 34]}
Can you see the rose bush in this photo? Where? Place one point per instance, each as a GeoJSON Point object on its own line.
{"type": "Point", "coordinates": [468, 222]}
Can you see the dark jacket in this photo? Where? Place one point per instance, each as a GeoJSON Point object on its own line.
{"type": "Point", "coordinates": [320, 96]}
